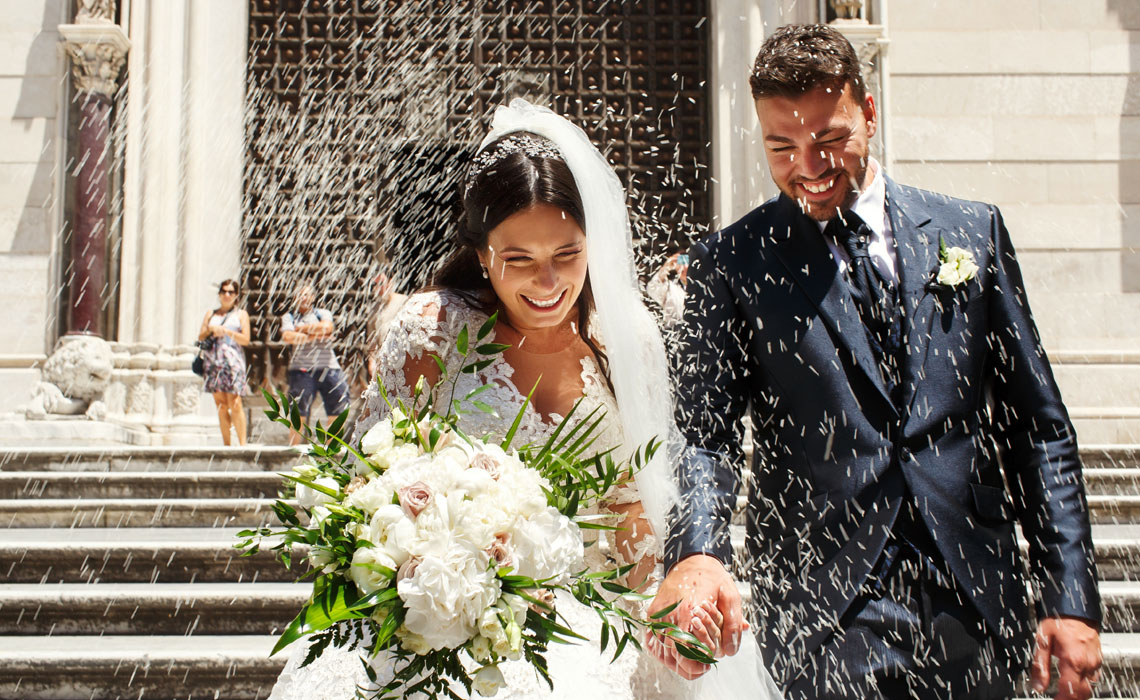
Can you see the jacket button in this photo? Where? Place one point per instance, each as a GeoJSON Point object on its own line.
{"type": "Point", "coordinates": [905, 455]}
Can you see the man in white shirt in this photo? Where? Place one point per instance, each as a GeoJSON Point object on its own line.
{"type": "Point", "coordinates": [904, 417]}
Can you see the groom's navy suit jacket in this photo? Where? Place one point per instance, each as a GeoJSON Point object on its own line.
{"type": "Point", "coordinates": [978, 437]}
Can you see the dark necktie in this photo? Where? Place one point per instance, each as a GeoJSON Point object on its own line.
{"type": "Point", "coordinates": [875, 297]}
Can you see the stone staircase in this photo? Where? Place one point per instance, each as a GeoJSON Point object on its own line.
{"type": "Point", "coordinates": [119, 580]}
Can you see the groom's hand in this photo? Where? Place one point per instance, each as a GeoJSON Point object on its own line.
{"type": "Point", "coordinates": [1076, 644]}
{"type": "Point", "coordinates": [708, 606]}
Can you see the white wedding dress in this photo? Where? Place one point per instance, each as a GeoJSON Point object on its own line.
{"type": "Point", "coordinates": [429, 323]}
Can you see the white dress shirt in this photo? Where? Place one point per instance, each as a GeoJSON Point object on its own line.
{"type": "Point", "coordinates": [871, 206]}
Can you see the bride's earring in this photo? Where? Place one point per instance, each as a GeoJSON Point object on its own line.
{"type": "Point", "coordinates": [485, 275]}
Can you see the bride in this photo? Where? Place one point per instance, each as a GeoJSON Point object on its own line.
{"type": "Point", "coordinates": [544, 234]}
{"type": "Point", "coordinates": [545, 242]}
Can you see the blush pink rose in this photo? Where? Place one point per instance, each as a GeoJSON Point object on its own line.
{"type": "Point", "coordinates": [500, 550]}
{"type": "Point", "coordinates": [414, 498]}
{"type": "Point", "coordinates": [488, 464]}
{"type": "Point", "coordinates": [407, 569]}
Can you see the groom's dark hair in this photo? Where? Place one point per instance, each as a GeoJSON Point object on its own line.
{"type": "Point", "coordinates": [798, 58]}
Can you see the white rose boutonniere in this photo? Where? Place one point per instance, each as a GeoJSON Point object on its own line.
{"type": "Point", "coordinates": [956, 266]}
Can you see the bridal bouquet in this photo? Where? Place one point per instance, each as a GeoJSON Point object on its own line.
{"type": "Point", "coordinates": [439, 553]}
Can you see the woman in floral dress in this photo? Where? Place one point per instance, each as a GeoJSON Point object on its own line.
{"type": "Point", "coordinates": [223, 333]}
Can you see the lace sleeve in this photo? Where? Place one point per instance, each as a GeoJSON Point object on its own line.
{"type": "Point", "coordinates": [425, 326]}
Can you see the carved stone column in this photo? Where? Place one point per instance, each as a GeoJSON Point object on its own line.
{"type": "Point", "coordinates": [871, 43]}
{"type": "Point", "coordinates": [97, 48]}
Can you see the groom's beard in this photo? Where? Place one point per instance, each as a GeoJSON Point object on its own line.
{"type": "Point", "coordinates": [842, 200]}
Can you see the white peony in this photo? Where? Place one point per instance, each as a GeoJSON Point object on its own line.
{"type": "Point", "coordinates": [488, 680]}
{"type": "Point", "coordinates": [547, 545]}
{"type": "Point", "coordinates": [367, 579]}
{"type": "Point", "coordinates": [524, 486]}
{"type": "Point", "coordinates": [957, 267]}
{"type": "Point", "coordinates": [445, 597]}
{"type": "Point", "coordinates": [481, 520]}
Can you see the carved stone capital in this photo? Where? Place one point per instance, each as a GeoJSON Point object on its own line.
{"type": "Point", "coordinates": [98, 51]}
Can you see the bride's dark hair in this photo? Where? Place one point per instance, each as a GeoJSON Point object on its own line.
{"type": "Point", "coordinates": [515, 183]}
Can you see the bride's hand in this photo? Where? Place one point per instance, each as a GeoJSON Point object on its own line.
{"type": "Point", "coordinates": [709, 607]}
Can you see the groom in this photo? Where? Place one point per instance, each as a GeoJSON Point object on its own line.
{"type": "Point", "coordinates": [904, 419]}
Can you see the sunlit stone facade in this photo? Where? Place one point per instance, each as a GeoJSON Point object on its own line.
{"type": "Point", "coordinates": [1031, 104]}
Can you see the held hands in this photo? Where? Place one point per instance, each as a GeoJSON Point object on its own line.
{"type": "Point", "coordinates": [1076, 644]}
{"type": "Point", "coordinates": [708, 607]}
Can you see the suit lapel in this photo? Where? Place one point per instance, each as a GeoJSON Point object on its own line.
{"type": "Point", "coordinates": [808, 260]}
{"type": "Point", "coordinates": [916, 251]}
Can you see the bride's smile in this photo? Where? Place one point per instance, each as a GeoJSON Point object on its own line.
{"type": "Point", "coordinates": [536, 261]}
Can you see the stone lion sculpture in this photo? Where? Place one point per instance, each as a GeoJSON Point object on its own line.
{"type": "Point", "coordinates": [75, 377]}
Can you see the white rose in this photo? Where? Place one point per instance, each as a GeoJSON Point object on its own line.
{"type": "Point", "coordinates": [480, 649]}
{"type": "Point", "coordinates": [309, 497]}
{"type": "Point", "coordinates": [488, 680]}
{"type": "Point", "coordinates": [379, 438]}
{"type": "Point", "coordinates": [444, 598]}
{"type": "Point", "coordinates": [491, 626]}
{"type": "Point", "coordinates": [515, 604]}
{"type": "Point", "coordinates": [547, 545]}
{"type": "Point", "coordinates": [321, 558]}
{"type": "Point", "coordinates": [412, 641]}
{"type": "Point", "coordinates": [511, 646]}
{"type": "Point", "coordinates": [359, 531]}
{"type": "Point", "coordinates": [396, 455]}
{"type": "Point", "coordinates": [319, 514]}
{"type": "Point", "coordinates": [958, 267]}
{"type": "Point", "coordinates": [391, 531]}
{"type": "Point", "coordinates": [366, 578]}
{"type": "Point", "coordinates": [370, 497]}
{"type": "Point", "coordinates": [307, 470]}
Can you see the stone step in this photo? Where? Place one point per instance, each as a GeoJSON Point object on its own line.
{"type": "Point", "coordinates": [158, 608]}
{"type": "Point", "coordinates": [1107, 425]}
{"type": "Point", "coordinates": [1116, 547]}
{"type": "Point", "coordinates": [137, 512]}
{"type": "Point", "coordinates": [1106, 509]}
{"type": "Point", "coordinates": [257, 608]}
{"type": "Point", "coordinates": [1108, 481]}
{"type": "Point", "coordinates": [37, 485]}
{"type": "Point", "coordinates": [257, 512]}
{"type": "Point", "coordinates": [134, 555]}
{"type": "Point", "coordinates": [194, 667]}
{"type": "Point", "coordinates": [148, 459]}
{"type": "Point", "coordinates": [1101, 455]}
{"type": "Point", "coordinates": [1105, 379]}
{"type": "Point", "coordinates": [1112, 509]}
{"type": "Point", "coordinates": [240, 668]}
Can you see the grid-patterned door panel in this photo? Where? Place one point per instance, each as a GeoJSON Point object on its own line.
{"type": "Point", "coordinates": [362, 114]}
